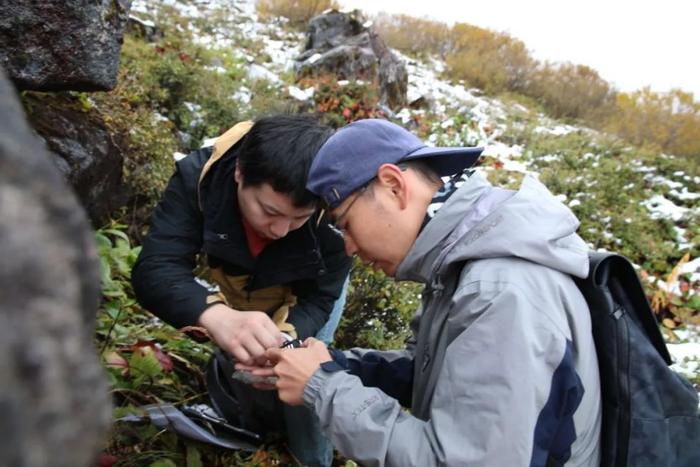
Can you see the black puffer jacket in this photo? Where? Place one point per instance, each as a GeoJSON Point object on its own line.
{"type": "Point", "coordinates": [310, 259]}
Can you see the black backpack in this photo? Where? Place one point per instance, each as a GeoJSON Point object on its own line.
{"type": "Point", "coordinates": [650, 413]}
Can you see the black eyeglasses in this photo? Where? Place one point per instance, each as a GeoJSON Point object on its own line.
{"type": "Point", "coordinates": [358, 193]}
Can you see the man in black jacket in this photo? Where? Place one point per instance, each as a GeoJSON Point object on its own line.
{"type": "Point", "coordinates": [279, 272]}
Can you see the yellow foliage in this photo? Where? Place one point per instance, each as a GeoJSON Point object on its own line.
{"type": "Point", "coordinates": [571, 91]}
{"type": "Point", "coordinates": [662, 297]}
{"type": "Point", "coordinates": [492, 61]}
{"type": "Point", "coordinates": [411, 35]}
{"type": "Point", "coordinates": [297, 11]}
{"type": "Point", "coordinates": [669, 122]}
{"type": "Point", "coordinates": [489, 60]}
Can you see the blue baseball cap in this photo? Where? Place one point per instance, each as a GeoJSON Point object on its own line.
{"type": "Point", "coordinates": [351, 157]}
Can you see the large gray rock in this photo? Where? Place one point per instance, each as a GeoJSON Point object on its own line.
{"type": "Point", "coordinates": [351, 59]}
{"type": "Point", "coordinates": [333, 29]}
{"type": "Point", "coordinates": [84, 151]}
{"type": "Point", "coordinates": [393, 76]}
{"type": "Point", "coordinates": [339, 44]}
{"type": "Point", "coordinates": [54, 45]}
{"type": "Point", "coordinates": [53, 397]}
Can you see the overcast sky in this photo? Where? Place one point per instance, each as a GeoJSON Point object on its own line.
{"type": "Point", "coordinates": [631, 43]}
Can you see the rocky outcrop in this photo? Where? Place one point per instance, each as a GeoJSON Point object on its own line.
{"type": "Point", "coordinates": [57, 45]}
{"type": "Point", "coordinates": [393, 76]}
{"type": "Point", "coordinates": [339, 44]}
{"type": "Point", "coordinates": [84, 151]}
{"type": "Point", "coordinates": [332, 29]}
{"type": "Point", "coordinates": [53, 396]}
{"type": "Point", "coordinates": [353, 59]}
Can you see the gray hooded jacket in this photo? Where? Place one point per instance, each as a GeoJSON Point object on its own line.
{"type": "Point", "coordinates": [503, 369]}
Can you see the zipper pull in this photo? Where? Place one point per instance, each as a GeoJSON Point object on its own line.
{"type": "Point", "coordinates": [436, 287]}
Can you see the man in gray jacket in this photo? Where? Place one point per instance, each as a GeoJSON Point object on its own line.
{"type": "Point", "coordinates": [502, 370]}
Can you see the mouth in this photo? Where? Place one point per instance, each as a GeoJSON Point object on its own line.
{"type": "Point", "coordinates": [269, 236]}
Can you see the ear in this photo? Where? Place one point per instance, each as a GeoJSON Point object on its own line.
{"type": "Point", "coordinates": [237, 174]}
{"type": "Point", "coordinates": [394, 180]}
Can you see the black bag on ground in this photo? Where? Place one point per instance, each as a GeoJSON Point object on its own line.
{"type": "Point", "coordinates": [650, 413]}
{"type": "Point", "coordinates": [239, 403]}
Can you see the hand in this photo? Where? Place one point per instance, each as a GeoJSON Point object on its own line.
{"type": "Point", "coordinates": [294, 368]}
{"type": "Point", "coordinates": [244, 334]}
{"type": "Point", "coordinates": [257, 370]}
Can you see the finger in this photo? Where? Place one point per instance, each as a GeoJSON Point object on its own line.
{"type": "Point", "coordinates": [266, 371]}
{"type": "Point", "coordinates": [280, 393]}
{"type": "Point", "coordinates": [274, 355]}
{"type": "Point", "coordinates": [312, 342]}
{"type": "Point", "coordinates": [244, 367]}
{"type": "Point", "coordinates": [273, 335]}
{"type": "Point", "coordinates": [268, 335]}
{"type": "Point", "coordinates": [308, 341]}
{"type": "Point", "coordinates": [261, 361]}
{"type": "Point", "coordinates": [265, 386]}
{"type": "Point", "coordinates": [253, 347]}
{"type": "Point", "coordinates": [272, 328]}
{"type": "Point", "coordinates": [287, 396]}
{"type": "Point", "coordinates": [240, 354]}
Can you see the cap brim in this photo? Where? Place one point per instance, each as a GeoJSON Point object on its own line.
{"type": "Point", "coordinates": [446, 161]}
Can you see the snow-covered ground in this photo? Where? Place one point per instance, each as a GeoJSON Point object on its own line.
{"type": "Point", "coordinates": [686, 353]}
{"type": "Point", "coordinates": [482, 120]}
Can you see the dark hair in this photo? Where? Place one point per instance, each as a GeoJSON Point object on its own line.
{"type": "Point", "coordinates": [422, 168]}
{"type": "Point", "coordinates": [279, 150]}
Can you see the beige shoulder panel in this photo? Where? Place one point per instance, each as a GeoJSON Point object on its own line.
{"type": "Point", "coordinates": [223, 144]}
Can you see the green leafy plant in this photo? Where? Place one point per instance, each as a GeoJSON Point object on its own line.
{"type": "Point", "coordinates": [378, 310]}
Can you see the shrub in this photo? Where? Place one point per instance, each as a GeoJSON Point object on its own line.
{"type": "Point", "coordinates": [414, 36]}
{"type": "Point", "coordinates": [181, 83]}
{"type": "Point", "coordinates": [378, 310]}
{"type": "Point", "coordinates": [669, 122]}
{"type": "Point", "coordinates": [601, 174]}
{"type": "Point", "coordinates": [298, 12]}
{"type": "Point", "coordinates": [567, 90]}
{"type": "Point", "coordinates": [343, 102]}
{"type": "Point", "coordinates": [492, 61]}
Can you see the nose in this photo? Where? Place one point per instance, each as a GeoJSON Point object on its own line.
{"type": "Point", "coordinates": [350, 245]}
{"type": "Point", "coordinates": [280, 228]}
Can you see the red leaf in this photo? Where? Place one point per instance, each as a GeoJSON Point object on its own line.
{"type": "Point", "coordinates": [114, 360]}
{"type": "Point", "coordinates": [106, 460]}
{"type": "Point", "coordinates": [166, 363]}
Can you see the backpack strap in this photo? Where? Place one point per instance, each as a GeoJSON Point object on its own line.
{"type": "Point", "coordinates": [223, 143]}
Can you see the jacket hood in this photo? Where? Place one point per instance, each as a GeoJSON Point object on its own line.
{"type": "Point", "coordinates": [479, 221]}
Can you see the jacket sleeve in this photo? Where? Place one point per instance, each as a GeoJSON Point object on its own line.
{"type": "Point", "coordinates": [314, 305]}
{"type": "Point", "coordinates": [163, 277]}
{"type": "Point", "coordinates": [491, 403]}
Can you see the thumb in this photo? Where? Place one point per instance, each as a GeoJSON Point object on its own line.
{"type": "Point", "coordinates": [313, 343]}
{"type": "Point", "coordinates": [274, 355]}
{"type": "Point", "coordinates": [310, 341]}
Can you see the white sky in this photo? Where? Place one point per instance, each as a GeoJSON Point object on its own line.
{"type": "Point", "coordinates": [630, 43]}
